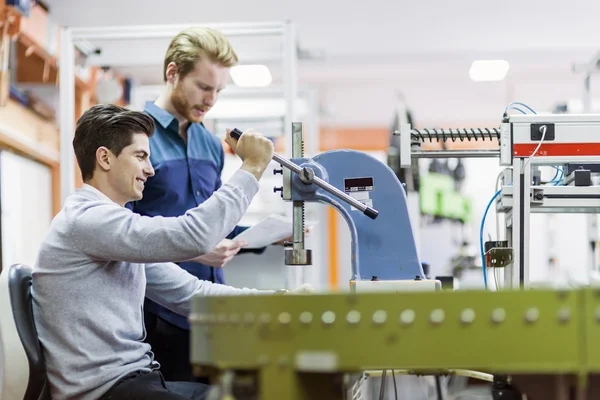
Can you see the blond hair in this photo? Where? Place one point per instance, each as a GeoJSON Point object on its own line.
{"type": "Point", "coordinates": [194, 44]}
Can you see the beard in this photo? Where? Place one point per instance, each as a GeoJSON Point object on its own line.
{"type": "Point", "coordinates": [183, 107]}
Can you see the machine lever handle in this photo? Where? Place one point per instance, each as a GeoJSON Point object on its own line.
{"type": "Point", "coordinates": [368, 211]}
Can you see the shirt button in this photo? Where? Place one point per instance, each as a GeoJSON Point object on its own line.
{"type": "Point", "coordinates": [197, 193]}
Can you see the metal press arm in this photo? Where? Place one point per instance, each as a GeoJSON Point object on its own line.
{"type": "Point", "coordinates": [307, 176]}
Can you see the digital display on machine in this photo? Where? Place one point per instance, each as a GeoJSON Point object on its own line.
{"type": "Point", "coordinates": [358, 184]}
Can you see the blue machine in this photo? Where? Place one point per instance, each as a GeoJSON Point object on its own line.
{"type": "Point", "coordinates": [370, 198]}
{"type": "Point", "coordinates": [383, 247]}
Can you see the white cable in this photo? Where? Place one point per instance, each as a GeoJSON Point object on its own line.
{"type": "Point", "coordinates": [544, 129]}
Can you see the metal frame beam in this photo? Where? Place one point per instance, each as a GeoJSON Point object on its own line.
{"type": "Point", "coordinates": [70, 35]}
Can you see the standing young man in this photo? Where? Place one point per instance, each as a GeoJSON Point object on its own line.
{"type": "Point", "coordinates": [188, 161]}
{"type": "Point", "coordinates": [99, 260]}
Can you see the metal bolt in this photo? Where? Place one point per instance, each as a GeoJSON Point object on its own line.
{"type": "Point", "coordinates": [379, 317]}
{"type": "Point", "coordinates": [263, 360]}
{"type": "Point", "coordinates": [285, 318]}
{"type": "Point", "coordinates": [467, 316]}
{"type": "Point", "coordinates": [532, 315]}
{"type": "Point", "coordinates": [306, 317]}
{"type": "Point", "coordinates": [539, 196]}
{"type": "Point", "coordinates": [564, 314]}
{"type": "Point", "coordinates": [437, 316]}
{"type": "Point", "coordinates": [264, 318]}
{"type": "Point", "coordinates": [407, 317]}
{"type": "Point", "coordinates": [249, 318]}
{"type": "Point", "coordinates": [307, 175]}
{"type": "Point", "coordinates": [328, 317]}
{"type": "Point", "coordinates": [283, 361]}
{"type": "Point", "coordinates": [234, 319]}
{"type": "Point", "coordinates": [353, 317]}
{"type": "Point", "coordinates": [498, 315]}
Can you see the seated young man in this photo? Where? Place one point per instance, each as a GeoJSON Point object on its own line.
{"type": "Point", "coordinates": [99, 260]}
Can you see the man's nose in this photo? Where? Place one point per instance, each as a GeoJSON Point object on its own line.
{"type": "Point", "coordinates": [149, 170]}
{"type": "Point", "coordinates": [210, 99]}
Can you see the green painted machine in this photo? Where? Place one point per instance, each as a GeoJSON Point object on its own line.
{"type": "Point", "coordinates": [309, 346]}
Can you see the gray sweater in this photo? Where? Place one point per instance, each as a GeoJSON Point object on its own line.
{"type": "Point", "coordinates": [94, 268]}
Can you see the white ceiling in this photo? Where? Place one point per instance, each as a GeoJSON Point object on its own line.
{"type": "Point", "coordinates": [374, 50]}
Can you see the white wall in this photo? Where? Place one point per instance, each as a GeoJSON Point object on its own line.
{"type": "Point", "coordinates": [25, 200]}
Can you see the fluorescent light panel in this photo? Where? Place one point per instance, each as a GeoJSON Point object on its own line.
{"type": "Point", "coordinates": [251, 75]}
{"type": "Point", "coordinates": [488, 70]}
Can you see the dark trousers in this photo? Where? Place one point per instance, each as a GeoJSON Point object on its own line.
{"type": "Point", "coordinates": [171, 348]}
{"type": "Point", "coordinates": [151, 385]}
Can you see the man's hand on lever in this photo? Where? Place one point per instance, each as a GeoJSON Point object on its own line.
{"type": "Point", "coordinates": [255, 150]}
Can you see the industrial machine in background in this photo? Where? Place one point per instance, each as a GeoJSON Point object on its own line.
{"type": "Point", "coordinates": [371, 200]}
{"type": "Point", "coordinates": [440, 208]}
{"type": "Point", "coordinates": [569, 143]}
{"type": "Point", "coordinates": [539, 343]}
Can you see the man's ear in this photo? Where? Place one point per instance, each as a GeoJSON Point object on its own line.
{"type": "Point", "coordinates": [171, 72]}
{"type": "Point", "coordinates": [103, 158]}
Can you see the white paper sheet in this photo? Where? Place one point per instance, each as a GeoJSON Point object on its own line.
{"type": "Point", "coordinates": [268, 231]}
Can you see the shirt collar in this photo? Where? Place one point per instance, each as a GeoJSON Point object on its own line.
{"type": "Point", "coordinates": [86, 188]}
{"type": "Point", "coordinates": [163, 117]}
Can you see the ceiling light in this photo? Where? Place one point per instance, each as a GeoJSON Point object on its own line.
{"type": "Point", "coordinates": [488, 70]}
{"type": "Point", "coordinates": [251, 75]}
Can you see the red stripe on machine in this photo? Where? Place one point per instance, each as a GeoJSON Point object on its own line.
{"type": "Point", "coordinates": [557, 149]}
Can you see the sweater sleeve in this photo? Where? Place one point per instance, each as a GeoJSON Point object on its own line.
{"type": "Point", "coordinates": [173, 287]}
{"type": "Point", "coordinates": [106, 231]}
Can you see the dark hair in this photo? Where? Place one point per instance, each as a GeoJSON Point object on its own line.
{"type": "Point", "coordinates": [110, 126]}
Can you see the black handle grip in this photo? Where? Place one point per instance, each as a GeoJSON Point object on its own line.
{"type": "Point", "coordinates": [236, 133]}
{"type": "Point", "coordinates": [371, 213]}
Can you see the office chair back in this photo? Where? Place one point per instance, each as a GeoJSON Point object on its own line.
{"type": "Point", "coordinates": [22, 368]}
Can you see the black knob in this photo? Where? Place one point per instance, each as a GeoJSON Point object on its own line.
{"type": "Point", "coordinates": [539, 196]}
{"type": "Point", "coordinates": [278, 189]}
{"type": "Point", "coordinates": [278, 171]}
{"type": "Point", "coordinates": [371, 213]}
{"type": "Point", "coordinates": [288, 244]}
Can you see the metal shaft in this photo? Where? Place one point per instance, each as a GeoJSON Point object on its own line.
{"type": "Point", "coordinates": [455, 153]}
{"type": "Point", "coordinates": [368, 211]}
{"type": "Point", "coordinates": [298, 206]}
{"type": "Point", "coordinates": [322, 184]}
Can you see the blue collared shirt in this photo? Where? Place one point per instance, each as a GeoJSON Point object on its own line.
{"type": "Point", "coordinates": [185, 175]}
